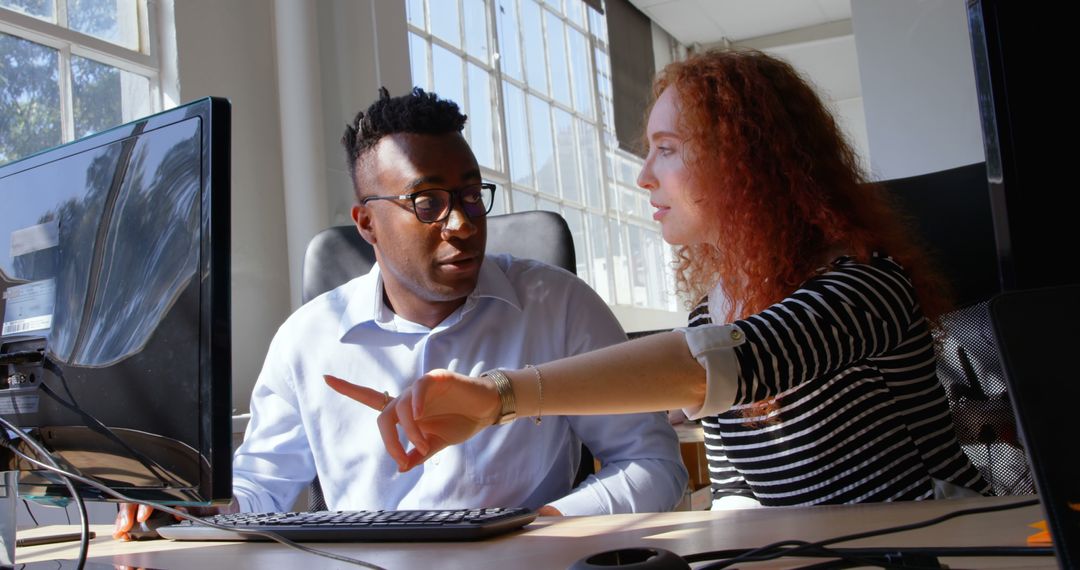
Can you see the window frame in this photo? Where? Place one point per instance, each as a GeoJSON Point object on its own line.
{"type": "Point", "coordinates": [146, 61]}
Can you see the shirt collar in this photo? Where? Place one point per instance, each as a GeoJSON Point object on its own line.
{"type": "Point", "coordinates": [366, 307]}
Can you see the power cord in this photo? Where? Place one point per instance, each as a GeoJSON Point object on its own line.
{"type": "Point", "coordinates": [877, 557]}
{"type": "Point", "coordinates": [175, 512]}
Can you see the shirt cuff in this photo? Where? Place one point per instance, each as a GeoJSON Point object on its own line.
{"type": "Point", "coordinates": [714, 348]}
{"type": "Point", "coordinates": [581, 501]}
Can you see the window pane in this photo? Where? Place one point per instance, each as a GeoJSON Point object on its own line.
{"type": "Point", "coordinates": [542, 151]}
{"type": "Point", "coordinates": [29, 98]}
{"type": "Point", "coordinates": [620, 270]}
{"type": "Point", "coordinates": [44, 9]}
{"type": "Point", "coordinates": [579, 70]}
{"type": "Point", "coordinates": [576, 220]}
{"type": "Point", "coordinates": [95, 92]}
{"type": "Point", "coordinates": [481, 129]}
{"type": "Point", "coordinates": [575, 11]}
{"type": "Point", "coordinates": [105, 96]}
{"type": "Point", "coordinates": [565, 142]}
{"type": "Point", "coordinates": [517, 136]}
{"type": "Point", "coordinates": [499, 206]}
{"type": "Point", "coordinates": [414, 12]}
{"type": "Point", "coordinates": [598, 259]}
{"type": "Point", "coordinates": [476, 36]}
{"type": "Point", "coordinates": [115, 21]}
{"type": "Point", "coordinates": [509, 51]}
{"type": "Point", "coordinates": [659, 295]}
{"type": "Point", "coordinates": [633, 202]}
{"type": "Point", "coordinates": [418, 61]}
{"type": "Point", "coordinates": [445, 21]}
{"type": "Point", "coordinates": [547, 205]}
{"type": "Point", "coordinates": [535, 64]}
{"type": "Point", "coordinates": [590, 164]}
{"type": "Point", "coordinates": [449, 75]}
{"type": "Point", "coordinates": [523, 201]}
{"type": "Point", "coordinates": [597, 25]}
{"type": "Point", "coordinates": [627, 172]}
{"type": "Point", "coordinates": [556, 41]}
{"type": "Point", "coordinates": [603, 85]}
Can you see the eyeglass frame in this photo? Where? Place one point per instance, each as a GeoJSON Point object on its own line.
{"type": "Point", "coordinates": [455, 195]}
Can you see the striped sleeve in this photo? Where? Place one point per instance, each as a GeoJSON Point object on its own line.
{"type": "Point", "coordinates": [848, 314]}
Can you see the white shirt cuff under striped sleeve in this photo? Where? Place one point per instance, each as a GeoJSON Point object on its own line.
{"type": "Point", "coordinates": [714, 348]}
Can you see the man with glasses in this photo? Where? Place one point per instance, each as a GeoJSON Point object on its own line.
{"type": "Point", "coordinates": [434, 301]}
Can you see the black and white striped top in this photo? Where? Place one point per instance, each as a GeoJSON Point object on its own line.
{"type": "Point", "coordinates": [860, 414]}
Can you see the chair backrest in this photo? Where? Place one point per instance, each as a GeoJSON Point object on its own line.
{"type": "Point", "coordinates": [1036, 331]}
{"type": "Point", "coordinates": [951, 212]}
{"type": "Point", "coordinates": [338, 254]}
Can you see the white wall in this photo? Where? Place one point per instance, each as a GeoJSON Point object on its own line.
{"type": "Point", "coordinates": [363, 45]}
{"type": "Point", "coordinates": [918, 85]}
{"type": "Point", "coordinates": [825, 55]}
{"type": "Point", "coordinates": [227, 49]}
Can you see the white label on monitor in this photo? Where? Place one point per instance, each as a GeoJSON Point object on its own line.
{"type": "Point", "coordinates": [35, 238]}
{"type": "Point", "coordinates": [29, 307]}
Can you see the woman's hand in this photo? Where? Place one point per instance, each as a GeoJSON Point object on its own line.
{"type": "Point", "coordinates": [441, 408]}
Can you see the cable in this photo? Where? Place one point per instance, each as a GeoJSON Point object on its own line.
{"type": "Point", "coordinates": [30, 512]}
{"type": "Point", "coordinates": [798, 548]}
{"type": "Point", "coordinates": [176, 512]}
{"type": "Point", "coordinates": [164, 477]}
{"type": "Point", "coordinates": [84, 519]}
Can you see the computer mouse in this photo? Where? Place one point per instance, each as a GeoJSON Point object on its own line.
{"type": "Point", "coordinates": [643, 558]}
{"type": "Point", "coordinates": [148, 530]}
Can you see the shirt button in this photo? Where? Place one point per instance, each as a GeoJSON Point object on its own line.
{"type": "Point", "coordinates": [736, 334]}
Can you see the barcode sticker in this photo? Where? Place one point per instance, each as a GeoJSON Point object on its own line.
{"type": "Point", "coordinates": [29, 307]}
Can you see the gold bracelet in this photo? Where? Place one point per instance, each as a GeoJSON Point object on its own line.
{"type": "Point", "coordinates": [507, 402]}
{"type": "Point", "coordinates": [540, 388]}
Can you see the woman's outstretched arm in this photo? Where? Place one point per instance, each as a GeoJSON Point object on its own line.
{"type": "Point", "coordinates": [443, 408]}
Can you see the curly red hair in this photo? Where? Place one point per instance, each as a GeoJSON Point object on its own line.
{"type": "Point", "coordinates": [774, 171]}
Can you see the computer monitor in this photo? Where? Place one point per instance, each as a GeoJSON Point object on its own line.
{"type": "Point", "coordinates": [114, 294]}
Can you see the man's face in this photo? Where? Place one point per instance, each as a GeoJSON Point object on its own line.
{"type": "Point", "coordinates": [426, 268]}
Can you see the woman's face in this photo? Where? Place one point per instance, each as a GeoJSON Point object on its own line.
{"type": "Point", "coordinates": [667, 178]}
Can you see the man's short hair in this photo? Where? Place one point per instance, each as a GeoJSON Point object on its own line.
{"type": "Point", "coordinates": [418, 112]}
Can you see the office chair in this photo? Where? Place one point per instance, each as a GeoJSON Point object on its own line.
{"type": "Point", "coordinates": [338, 254]}
{"type": "Point", "coordinates": [950, 210]}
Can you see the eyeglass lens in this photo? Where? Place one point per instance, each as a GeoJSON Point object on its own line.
{"type": "Point", "coordinates": [434, 204]}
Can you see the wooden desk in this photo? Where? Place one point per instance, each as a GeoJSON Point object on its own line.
{"type": "Point", "coordinates": [557, 542]}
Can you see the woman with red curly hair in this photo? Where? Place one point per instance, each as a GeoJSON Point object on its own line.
{"type": "Point", "coordinates": [821, 386]}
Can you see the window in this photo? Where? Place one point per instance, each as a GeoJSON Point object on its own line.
{"type": "Point", "coordinates": [534, 78]}
{"type": "Point", "coordinates": [70, 68]}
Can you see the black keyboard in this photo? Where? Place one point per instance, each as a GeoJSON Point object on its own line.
{"type": "Point", "coordinates": [350, 526]}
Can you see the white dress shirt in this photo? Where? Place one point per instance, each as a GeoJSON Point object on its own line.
{"type": "Point", "coordinates": [521, 312]}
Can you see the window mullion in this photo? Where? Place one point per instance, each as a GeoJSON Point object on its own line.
{"type": "Point", "coordinates": [503, 143]}
{"type": "Point", "coordinates": [67, 105]}
{"type": "Point", "coordinates": [62, 13]}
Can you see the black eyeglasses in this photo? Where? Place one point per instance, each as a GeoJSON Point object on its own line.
{"type": "Point", "coordinates": [434, 204]}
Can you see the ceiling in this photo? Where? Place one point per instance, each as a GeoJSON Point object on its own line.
{"type": "Point", "coordinates": [712, 21]}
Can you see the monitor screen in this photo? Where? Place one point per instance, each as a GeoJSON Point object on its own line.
{"type": "Point", "coordinates": [114, 294]}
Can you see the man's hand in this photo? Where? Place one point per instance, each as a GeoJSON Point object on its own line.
{"type": "Point", "coordinates": [129, 514]}
{"type": "Point", "coordinates": [441, 408]}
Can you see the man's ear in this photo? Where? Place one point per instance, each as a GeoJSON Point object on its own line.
{"type": "Point", "coordinates": [365, 223]}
